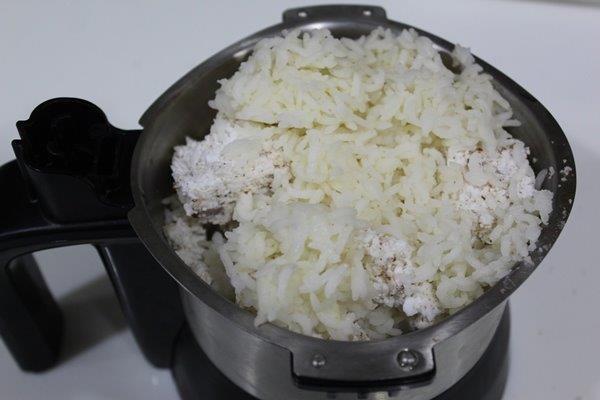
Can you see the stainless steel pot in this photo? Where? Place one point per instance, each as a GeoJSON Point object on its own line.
{"type": "Point", "coordinates": [273, 363]}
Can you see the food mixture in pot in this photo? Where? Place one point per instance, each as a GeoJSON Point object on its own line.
{"type": "Point", "coordinates": [361, 187]}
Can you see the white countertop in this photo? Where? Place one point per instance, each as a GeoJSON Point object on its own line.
{"type": "Point", "coordinates": [121, 55]}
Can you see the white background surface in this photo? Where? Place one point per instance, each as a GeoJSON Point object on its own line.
{"type": "Point", "coordinates": [121, 55]}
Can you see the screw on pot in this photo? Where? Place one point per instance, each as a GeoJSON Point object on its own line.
{"type": "Point", "coordinates": [318, 361]}
{"type": "Point", "coordinates": [408, 359]}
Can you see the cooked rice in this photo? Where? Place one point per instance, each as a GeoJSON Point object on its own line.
{"type": "Point", "coordinates": [362, 184]}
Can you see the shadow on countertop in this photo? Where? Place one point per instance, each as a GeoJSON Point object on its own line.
{"type": "Point", "coordinates": [91, 314]}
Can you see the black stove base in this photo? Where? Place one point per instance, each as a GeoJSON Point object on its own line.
{"type": "Point", "coordinates": [197, 378]}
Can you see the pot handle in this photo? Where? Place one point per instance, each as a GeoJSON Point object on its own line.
{"type": "Point", "coordinates": [354, 12]}
{"type": "Point", "coordinates": [68, 186]}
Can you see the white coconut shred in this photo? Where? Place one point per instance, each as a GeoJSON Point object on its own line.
{"type": "Point", "coordinates": [358, 184]}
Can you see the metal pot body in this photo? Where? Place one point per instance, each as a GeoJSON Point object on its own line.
{"type": "Point", "coordinates": [271, 362]}
{"type": "Point", "coordinates": [262, 368]}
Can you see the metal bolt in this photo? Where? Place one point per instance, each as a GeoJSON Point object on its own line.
{"type": "Point", "coordinates": [318, 361]}
{"type": "Point", "coordinates": [408, 359]}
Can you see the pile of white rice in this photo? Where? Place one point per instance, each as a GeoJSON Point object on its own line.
{"type": "Point", "coordinates": [361, 186]}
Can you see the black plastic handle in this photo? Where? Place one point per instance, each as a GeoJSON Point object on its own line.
{"type": "Point", "coordinates": [149, 299]}
{"type": "Point", "coordinates": [30, 321]}
{"type": "Point", "coordinates": [70, 185]}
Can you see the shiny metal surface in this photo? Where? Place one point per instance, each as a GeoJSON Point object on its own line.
{"type": "Point", "coordinates": [408, 359]}
{"type": "Point", "coordinates": [262, 368]}
{"type": "Point", "coordinates": [271, 362]}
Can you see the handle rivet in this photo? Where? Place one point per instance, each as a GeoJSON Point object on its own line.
{"type": "Point", "coordinates": [318, 361]}
{"type": "Point", "coordinates": [408, 359]}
